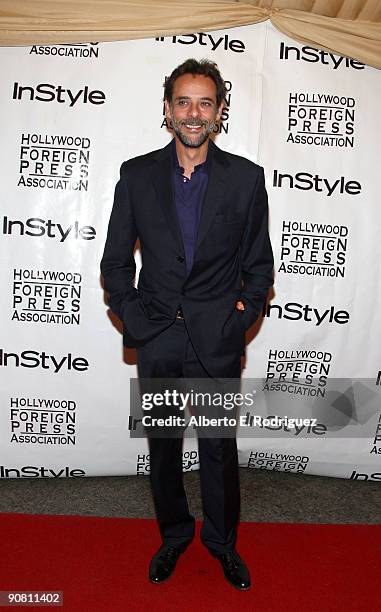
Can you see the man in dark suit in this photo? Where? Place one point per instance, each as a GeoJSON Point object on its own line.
{"type": "Point", "coordinates": [201, 217]}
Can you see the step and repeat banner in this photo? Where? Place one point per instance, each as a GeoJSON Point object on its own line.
{"type": "Point", "coordinates": [70, 115]}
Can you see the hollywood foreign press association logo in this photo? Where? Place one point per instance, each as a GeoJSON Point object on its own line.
{"type": "Point", "coordinates": [271, 460]}
{"type": "Point", "coordinates": [75, 51]}
{"type": "Point", "coordinates": [222, 127]}
{"type": "Point", "coordinates": [190, 460]}
{"type": "Point", "coordinates": [52, 161]}
{"type": "Point", "coordinates": [44, 421]}
{"type": "Point", "coordinates": [321, 119]}
{"type": "Point", "coordinates": [376, 441]}
{"type": "Point", "coordinates": [143, 465]}
{"type": "Point", "coordinates": [46, 296]}
{"type": "Point", "coordinates": [302, 372]}
{"type": "Point", "coordinates": [313, 249]}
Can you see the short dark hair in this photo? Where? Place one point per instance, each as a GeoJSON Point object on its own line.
{"type": "Point", "coordinates": [193, 66]}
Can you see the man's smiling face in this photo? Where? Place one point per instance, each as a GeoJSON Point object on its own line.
{"type": "Point", "coordinates": [193, 110]}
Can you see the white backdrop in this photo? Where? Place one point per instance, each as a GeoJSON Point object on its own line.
{"type": "Point", "coordinates": [70, 115]}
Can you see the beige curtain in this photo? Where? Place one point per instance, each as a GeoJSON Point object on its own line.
{"type": "Point", "coordinates": [346, 27]}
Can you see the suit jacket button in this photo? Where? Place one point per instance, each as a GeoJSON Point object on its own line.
{"type": "Point", "coordinates": [180, 258]}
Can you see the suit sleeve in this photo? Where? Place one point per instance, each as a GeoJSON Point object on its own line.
{"type": "Point", "coordinates": [118, 263]}
{"type": "Point", "coordinates": [256, 255]}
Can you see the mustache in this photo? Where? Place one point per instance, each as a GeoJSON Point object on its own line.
{"type": "Point", "coordinates": [193, 122]}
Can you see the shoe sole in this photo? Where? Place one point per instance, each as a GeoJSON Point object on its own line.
{"type": "Point", "coordinates": [160, 581]}
{"type": "Point", "coordinates": [237, 587]}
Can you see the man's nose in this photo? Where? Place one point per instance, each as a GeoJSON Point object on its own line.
{"type": "Point", "coordinates": [194, 110]}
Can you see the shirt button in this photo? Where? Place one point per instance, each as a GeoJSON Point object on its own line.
{"type": "Point", "coordinates": [180, 258]}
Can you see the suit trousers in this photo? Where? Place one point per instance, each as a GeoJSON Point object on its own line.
{"type": "Point", "coordinates": [172, 355]}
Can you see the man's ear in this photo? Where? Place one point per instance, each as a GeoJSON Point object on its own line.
{"type": "Point", "coordinates": [167, 109]}
{"type": "Point", "coordinates": [219, 112]}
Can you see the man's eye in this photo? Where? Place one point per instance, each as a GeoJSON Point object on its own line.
{"type": "Point", "coordinates": [205, 103]}
{"type": "Point", "coordinates": [182, 102]}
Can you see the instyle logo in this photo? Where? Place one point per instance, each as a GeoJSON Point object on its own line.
{"type": "Point", "coordinates": [324, 120]}
{"type": "Point", "coordinates": [46, 296]}
{"type": "Point", "coordinates": [32, 471]}
{"type": "Point", "coordinates": [361, 476]}
{"type": "Point", "coordinates": [311, 55]}
{"type": "Point", "coordinates": [35, 359]}
{"type": "Point", "coordinates": [36, 228]}
{"type": "Point", "coordinates": [293, 311]}
{"type": "Point", "coordinates": [77, 51]}
{"type": "Point", "coordinates": [54, 162]}
{"type": "Point", "coordinates": [274, 423]}
{"type": "Point", "coordinates": [270, 460]}
{"type": "Point", "coordinates": [305, 181]}
{"type": "Point", "coordinates": [48, 92]}
{"type": "Point", "coordinates": [212, 41]}
{"type": "Point", "coordinates": [46, 421]}
{"type": "Point", "coordinates": [313, 249]}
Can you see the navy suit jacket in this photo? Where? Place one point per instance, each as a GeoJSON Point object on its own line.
{"type": "Point", "coordinates": [233, 258]}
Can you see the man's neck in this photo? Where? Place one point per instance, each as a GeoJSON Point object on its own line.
{"type": "Point", "coordinates": [190, 157]}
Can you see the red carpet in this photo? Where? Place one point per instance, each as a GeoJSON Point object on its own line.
{"type": "Point", "coordinates": [101, 565]}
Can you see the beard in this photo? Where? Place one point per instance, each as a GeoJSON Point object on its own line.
{"type": "Point", "coordinates": [208, 127]}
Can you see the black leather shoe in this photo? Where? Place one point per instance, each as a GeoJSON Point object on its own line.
{"type": "Point", "coordinates": [235, 570]}
{"type": "Point", "coordinates": [163, 563]}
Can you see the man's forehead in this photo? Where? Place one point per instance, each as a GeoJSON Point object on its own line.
{"type": "Point", "coordinates": [194, 84]}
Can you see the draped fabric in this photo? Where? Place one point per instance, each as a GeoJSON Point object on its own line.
{"type": "Point", "coordinates": [346, 27]}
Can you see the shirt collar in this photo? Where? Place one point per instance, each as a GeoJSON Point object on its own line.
{"type": "Point", "coordinates": [204, 167]}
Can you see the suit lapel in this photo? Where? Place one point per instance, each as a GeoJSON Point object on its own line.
{"type": "Point", "coordinates": [219, 171]}
{"type": "Point", "coordinates": [162, 180]}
